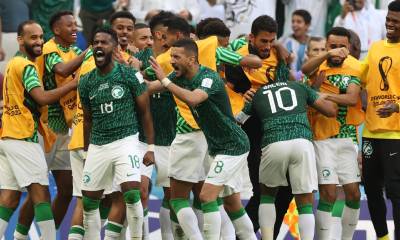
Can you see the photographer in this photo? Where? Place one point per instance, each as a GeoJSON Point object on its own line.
{"type": "Point", "coordinates": [362, 17]}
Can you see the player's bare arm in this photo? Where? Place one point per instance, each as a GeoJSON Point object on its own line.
{"type": "Point", "coordinates": [350, 98]}
{"type": "Point", "coordinates": [65, 69]}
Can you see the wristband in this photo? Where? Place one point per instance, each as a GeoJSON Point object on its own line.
{"type": "Point", "coordinates": [165, 82]}
{"type": "Point", "coordinates": [150, 148]}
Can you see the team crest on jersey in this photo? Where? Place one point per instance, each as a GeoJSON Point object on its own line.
{"type": "Point", "coordinates": [367, 148]}
{"type": "Point", "coordinates": [326, 173]}
{"type": "Point", "coordinates": [117, 92]}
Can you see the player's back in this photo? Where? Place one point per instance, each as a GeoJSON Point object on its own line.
{"type": "Point", "coordinates": [282, 108]}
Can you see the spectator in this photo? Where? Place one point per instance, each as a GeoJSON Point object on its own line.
{"type": "Point", "coordinates": [12, 13]}
{"type": "Point", "coordinates": [318, 10]}
{"type": "Point", "coordinates": [296, 43]}
{"type": "Point", "coordinates": [239, 14]}
{"type": "Point", "coordinates": [42, 10]}
{"type": "Point", "coordinates": [141, 8]}
{"type": "Point", "coordinates": [93, 13]}
{"type": "Point", "coordinates": [316, 46]}
{"type": "Point", "coordinates": [364, 19]}
{"type": "Point", "coordinates": [208, 11]}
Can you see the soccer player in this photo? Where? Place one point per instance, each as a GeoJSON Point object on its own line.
{"type": "Point", "coordinates": [204, 92]}
{"type": "Point", "coordinates": [58, 64]}
{"type": "Point", "coordinates": [335, 139]}
{"type": "Point", "coordinates": [23, 163]}
{"type": "Point", "coordinates": [246, 82]}
{"type": "Point", "coordinates": [187, 174]}
{"type": "Point", "coordinates": [110, 95]}
{"type": "Point", "coordinates": [381, 136]}
{"type": "Point", "coordinates": [286, 147]}
{"type": "Point", "coordinates": [159, 30]}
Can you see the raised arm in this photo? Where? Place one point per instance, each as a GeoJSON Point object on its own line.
{"type": "Point", "coordinates": [65, 69]}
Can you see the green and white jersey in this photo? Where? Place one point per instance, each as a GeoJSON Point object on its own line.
{"type": "Point", "coordinates": [144, 57]}
{"type": "Point", "coordinates": [342, 82]}
{"type": "Point", "coordinates": [111, 101]}
{"type": "Point", "coordinates": [214, 115]}
{"type": "Point", "coordinates": [282, 109]}
{"type": "Point", "coordinates": [56, 115]}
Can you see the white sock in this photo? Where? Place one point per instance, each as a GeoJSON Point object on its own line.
{"type": "Point", "coordinates": [146, 227]}
{"type": "Point", "coordinates": [75, 233]}
{"type": "Point", "coordinates": [306, 226]}
{"type": "Point", "coordinates": [3, 227]}
{"type": "Point", "coordinates": [165, 224]}
{"type": "Point", "coordinates": [19, 236]}
{"type": "Point", "coordinates": [349, 222]}
{"type": "Point", "coordinates": [323, 224]}
{"type": "Point", "coordinates": [103, 222]}
{"type": "Point", "coordinates": [134, 216]}
{"type": "Point", "coordinates": [244, 228]}
{"type": "Point", "coordinates": [47, 229]}
{"type": "Point", "coordinates": [91, 223]}
{"type": "Point", "coordinates": [122, 236]}
{"type": "Point", "coordinates": [336, 228]}
{"type": "Point", "coordinates": [200, 218]}
{"type": "Point", "coordinates": [177, 231]}
{"type": "Point", "coordinates": [188, 221]}
{"type": "Point", "coordinates": [266, 219]}
{"type": "Point", "coordinates": [113, 231]}
{"type": "Point", "coordinates": [227, 228]}
{"type": "Point", "coordinates": [212, 225]}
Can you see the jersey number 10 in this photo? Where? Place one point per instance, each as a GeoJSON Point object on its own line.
{"type": "Point", "coordinates": [278, 97]}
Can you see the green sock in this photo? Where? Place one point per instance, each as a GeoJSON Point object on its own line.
{"type": "Point", "coordinates": [220, 201]}
{"type": "Point", "coordinates": [6, 213]}
{"type": "Point", "coordinates": [165, 203]}
{"type": "Point", "coordinates": [196, 204]}
{"type": "Point", "coordinates": [90, 204]}
{"type": "Point", "coordinates": [114, 227]}
{"type": "Point", "coordinates": [132, 196]}
{"type": "Point", "coordinates": [179, 203]}
{"type": "Point", "coordinates": [325, 206]}
{"type": "Point", "coordinates": [337, 209]}
{"type": "Point", "coordinates": [104, 211]}
{"type": "Point", "coordinates": [353, 204]}
{"type": "Point", "coordinates": [235, 215]}
{"type": "Point", "coordinates": [43, 212]}
{"type": "Point", "coordinates": [22, 229]}
{"type": "Point", "coordinates": [77, 229]}
{"type": "Point", "coordinates": [267, 199]}
{"type": "Point", "coordinates": [305, 209]}
{"type": "Point", "coordinates": [210, 207]}
{"type": "Point", "coordinates": [145, 212]}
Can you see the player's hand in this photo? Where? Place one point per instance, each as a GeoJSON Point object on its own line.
{"type": "Point", "coordinates": [283, 53]}
{"type": "Point", "coordinates": [157, 68]}
{"type": "Point", "coordinates": [132, 48]}
{"type": "Point", "coordinates": [347, 7]}
{"type": "Point", "coordinates": [249, 94]}
{"type": "Point", "coordinates": [148, 158]}
{"type": "Point", "coordinates": [338, 52]}
{"type": "Point", "coordinates": [118, 57]}
{"type": "Point", "coordinates": [319, 80]}
{"type": "Point", "coordinates": [388, 109]}
{"type": "Point", "coordinates": [135, 63]}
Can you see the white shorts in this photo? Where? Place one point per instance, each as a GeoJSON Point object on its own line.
{"type": "Point", "coordinates": [337, 161]}
{"type": "Point", "coordinates": [294, 156]}
{"type": "Point", "coordinates": [58, 157]}
{"type": "Point", "coordinates": [161, 154]}
{"type": "Point", "coordinates": [21, 164]}
{"type": "Point", "coordinates": [187, 157]}
{"type": "Point", "coordinates": [227, 171]}
{"type": "Point", "coordinates": [146, 171]}
{"type": "Point", "coordinates": [118, 159]}
{"type": "Point", "coordinates": [77, 163]}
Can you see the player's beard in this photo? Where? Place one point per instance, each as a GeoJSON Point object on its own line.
{"type": "Point", "coordinates": [332, 63]}
{"type": "Point", "coordinates": [29, 50]}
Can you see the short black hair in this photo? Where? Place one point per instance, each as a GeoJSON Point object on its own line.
{"type": "Point", "coordinates": [141, 26]}
{"type": "Point", "coordinates": [122, 14]}
{"type": "Point", "coordinates": [20, 29]}
{"type": "Point", "coordinates": [339, 31]}
{"type": "Point", "coordinates": [159, 19]}
{"type": "Point", "coordinates": [108, 31]}
{"type": "Point", "coordinates": [57, 16]}
{"type": "Point", "coordinates": [264, 23]}
{"type": "Point", "coordinates": [189, 45]}
{"type": "Point", "coordinates": [178, 24]}
{"type": "Point", "coordinates": [215, 28]}
{"type": "Point", "coordinates": [394, 6]}
{"type": "Point", "coordinates": [303, 14]}
{"type": "Point", "coordinates": [314, 39]}
{"type": "Point", "coordinates": [200, 25]}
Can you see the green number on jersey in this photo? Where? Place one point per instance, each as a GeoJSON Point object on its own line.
{"type": "Point", "coordinates": [134, 161]}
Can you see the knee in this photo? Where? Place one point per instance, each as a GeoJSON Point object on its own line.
{"type": "Point", "coordinates": [205, 197]}
{"type": "Point", "coordinates": [353, 196]}
{"type": "Point", "coordinates": [10, 198]}
{"type": "Point", "coordinates": [327, 195]}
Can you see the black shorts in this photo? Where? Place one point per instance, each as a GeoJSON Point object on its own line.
{"type": "Point", "coordinates": [381, 164]}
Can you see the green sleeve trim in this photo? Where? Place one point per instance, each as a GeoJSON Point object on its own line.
{"type": "Point", "coordinates": [325, 206]}
{"type": "Point", "coordinates": [227, 56]}
{"type": "Point", "coordinates": [266, 199]}
{"type": "Point", "coordinates": [210, 207]}
{"type": "Point", "coordinates": [30, 78]}
{"type": "Point", "coordinates": [355, 80]}
{"type": "Point", "coordinates": [305, 209]}
{"type": "Point", "coordinates": [51, 60]}
{"type": "Point", "coordinates": [132, 196]}
{"type": "Point", "coordinates": [236, 215]}
{"type": "Point", "coordinates": [178, 203]}
{"type": "Point", "coordinates": [43, 212]}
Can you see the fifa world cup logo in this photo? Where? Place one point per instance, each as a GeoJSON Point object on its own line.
{"type": "Point", "coordinates": [385, 64]}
